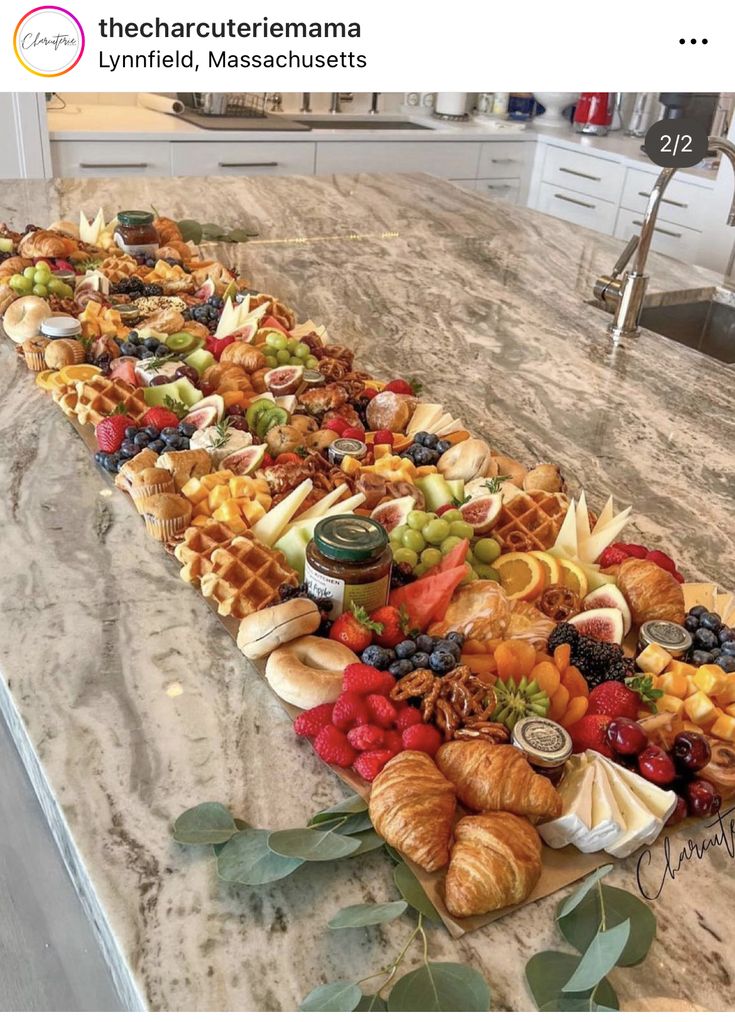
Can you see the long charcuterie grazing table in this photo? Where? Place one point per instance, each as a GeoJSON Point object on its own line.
{"type": "Point", "coordinates": [129, 702]}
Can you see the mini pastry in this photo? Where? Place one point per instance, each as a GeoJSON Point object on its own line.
{"type": "Point", "coordinates": [544, 477]}
{"type": "Point", "coordinates": [166, 515]}
{"type": "Point", "coordinates": [33, 352]}
{"type": "Point", "coordinates": [144, 459]}
{"type": "Point", "coordinates": [465, 460]}
{"type": "Point", "coordinates": [412, 806]}
{"type": "Point", "coordinates": [46, 245]}
{"type": "Point", "coordinates": [7, 297]}
{"type": "Point", "coordinates": [150, 481]}
{"type": "Point", "coordinates": [497, 777]}
{"type": "Point", "coordinates": [651, 592]}
{"type": "Point", "coordinates": [496, 862]}
{"type": "Point", "coordinates": [390, 411]}
{"type": "Point", "coordinates": [308, 671]}
{"type": "Point", "coordinates": [185, 465]}
{"type": "Point", "coordinates": [67, 352]}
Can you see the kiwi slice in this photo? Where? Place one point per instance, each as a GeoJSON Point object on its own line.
{"type": "Point", "coordinates": [256, 409]}
{"type": "Point", "coordinates": [181, 341]}
{"type": "Point", "coordinates": [275, 417]}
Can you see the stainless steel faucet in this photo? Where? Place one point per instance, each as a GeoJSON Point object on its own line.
{"type": "Point", "coordinates": [276, 101]}
{"type": "Point", "coordinates": [305, 103]}
{"type": "Point", "coordinates": [335, 105]}
{"type": "Point", "coordinates": [624, 292]}
{"type": "Point", "coordinates": [374, 103]}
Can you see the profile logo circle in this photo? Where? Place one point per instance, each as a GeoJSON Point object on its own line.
{"type": "Point", "coordinates": [48, 41]}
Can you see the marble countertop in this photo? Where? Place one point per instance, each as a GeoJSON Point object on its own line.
{"type": "Point", "coordinates": [129, 701]}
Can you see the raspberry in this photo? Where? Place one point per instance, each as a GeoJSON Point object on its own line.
{"type": "Point", "coordinates": [366, 737]}
{"type": "Point", "coordinates": [662, 560]}
{"type": "Point", "coordinates": [309, 723]}
{"type": "Point", "coordinates": [369, 764]}
{"type": "Point", "coordinates": [349, 710]}
{"type": "Point", "coordinates": [407, 716]}
{"type": "Point", "coordinates": [393, 741]}
{"type": "Point", "coordinates": [365, 680]}
{"type": "Point", "coordinates": [382, 710]}
{"type": "Point", "coordinates": [422, 738]}
{"type": "Point", "coordinates": [332, 746]}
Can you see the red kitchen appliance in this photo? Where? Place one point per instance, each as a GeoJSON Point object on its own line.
{"type": "Point", "coordinates": [594, 113]}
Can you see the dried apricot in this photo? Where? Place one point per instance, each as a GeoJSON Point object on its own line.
{"type": "Point", "coordinates": [559, 703]}
{"type": "Point", "coordinates": [576, 709]}
{"type": "Point", "coordinates": [514, 658]}
{"type": "Point", "coordinates": [473, 647]}
{"type": "Point", "coordinates": [479, 662]}
{"type": "Point", "coordinates": [562, 655]}
{"type": "Point", "coordinates": [547, 676]}
{"type": "Point", "coordinates": [574, 680]}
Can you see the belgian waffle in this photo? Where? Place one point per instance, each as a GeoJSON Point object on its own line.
{"type": "Point", "coordinates": [530, 521]}
{"type": "Point", "coordinates": [245, 576]}
{"type": "Point", "coordinates": [99, 397]}
{"type": "Point", "coordinates": [66, 398]}
{"type": "Point", "coordinates": [196, 549]}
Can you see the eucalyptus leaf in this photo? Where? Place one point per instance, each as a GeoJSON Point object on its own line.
{"type": "Point", "coordinates": [241, 234]}
{"type": "Point", "coordinates": [354, 824]}
{"type": "Point", "coordinates": [369, 841]}
{"type": "Point", "coordinates": [546, 975]}
{"type": "Point", "coordinates": [393, 854]}
{"type": "Point", "coordinates": [371, 1002]}
{"type": "Point", "coordinates": [247, 859]}
{"type": "Point", "coordinates": [367, 915]}
{"type": "Point", "coordinates": [312, 845]}
{"type": "Point", "coordinates": [191, 230]}
{"type": "Point", "coordinates": [582, 923]}
{"type": "Point", "coordinates": [414, 893]}
{"type": "Point", "coordinates": [241, 824]}
{"type": "Point", "coordinates": [353, 804]}
{"type": "Point", "coordinates": [209, 823]}
{"type": "Point", "coordinates": [600, 957]}
{"type": "Point", "coordinates": [340, 996]}
{"type": "Point", "coordinates": [440, 986]}
{"type": "Point", "coordinates": [579, 892]}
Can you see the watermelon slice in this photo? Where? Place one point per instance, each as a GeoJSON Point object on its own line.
{"type": "Point", "coordinates": [271, 323]}
{"type": "Point", "coordinates": [427, 599]}
{"type": "Point", "coordinates": [453, 559]}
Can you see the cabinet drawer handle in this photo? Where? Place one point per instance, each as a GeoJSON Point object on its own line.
{"type": "Point", "coordinates": [499, 188]}
{"type": "Point", "coordinates": [264, 163]}
{"type": "Point", "coordinates": [661, 230]}
{"type": "Point", "coordinates": [576, 202]}
{"type": "Point", "coordinates": [671, 202]}
{"type": "Point", "coordinates": [113, 166]}
{"type": "Point", "coordinates": [506, 159]}
{"type": "Point", "coordinates": [578, 173]}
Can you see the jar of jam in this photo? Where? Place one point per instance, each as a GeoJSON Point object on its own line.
{"type": "Point", "coordinates": [545, 744]}
{"type": "Point", "coordinates": [135, 233]}
{"type": "Point", "coordinates": [671, 637]}
{"type": "Point", "coordinates": [349, 561]}
{"type": "Point", "coordinates": [339, 449]}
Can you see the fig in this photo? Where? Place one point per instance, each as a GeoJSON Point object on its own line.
{"type": "Point", "coordinates": [482, 512]}
{"type": "Point", "coordinates": [207, 290]}
{"type": "Point", "coordinates": [284, 380]}
{"type": "Point", "coordinates": [244, 461]}
{"type": "Point", "coordinates": [604, 623]}
{"type": "Point", "coordinates": [202, 418]}
{"type": "Point", "coordinates": [609, 596]}
{"type": "Point", "coordinates": [214, 401]}
{"type": "Point", "coordinates": [246, 333]}
{"type": "Point", "coordinates": [393, 513]}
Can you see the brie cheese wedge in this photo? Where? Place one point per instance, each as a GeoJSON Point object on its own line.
{"type": "Point", "coordinates": [659, 802]}
{"type": "Point", "coordinates": [607, 821]}
{"type": "Point", "coordinates": [576, 818]}
{"type": "Point", "coordinates": [640, 826]}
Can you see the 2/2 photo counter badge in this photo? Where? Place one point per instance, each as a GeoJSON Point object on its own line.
{"type": "Point", "coordinates": [48, 41]}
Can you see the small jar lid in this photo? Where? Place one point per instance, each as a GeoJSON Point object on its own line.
{"type": "Point", "coordinates": [313, 378]}
{"type": "Point", "coordinates": [339, 449]}
{"type": "Point", "coordinates": [61, 326]}
{"type": "Point", "coordinates": [667, 634]}
{"type": "Point", "coordinates": [134, 218]}
{"type": "Point", "coordinates": [127, 312]}
{"type": "Point", "coordinates": [67, 276]}
{"type": "Point", "coordinates": [544, 742]}
{"type": "Point", "coordinates": [350, 538]}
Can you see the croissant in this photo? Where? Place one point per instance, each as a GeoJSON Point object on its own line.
{"type": "Point", "coordinates": [652, 593]}
{"type": "Point", "coordinates": [243, 354]}
{"type": "Point", "coordinates": [496, 861]}
{"type": "Point", "coordinates": [497, 777]}
{"type": "Point", "coordinates": [412, 807]}
{"type": "Point", "coordinates": [39, 244]}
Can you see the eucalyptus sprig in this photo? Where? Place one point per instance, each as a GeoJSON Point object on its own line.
{"type": "Point", "coordinates": [192, 230]}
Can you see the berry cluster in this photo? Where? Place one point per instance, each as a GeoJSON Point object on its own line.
{"type": "Point", "coordinates": [208, 313]}
{"type": "Point", "coordinates": [430, 652]}
{"type": "Point", "coordinates": [150, 262]}
{"type": "Point", "coordinates": [426, 449]}
{"type": "Point", "coordinates": [364, 729]}
{"type": "Point", "coordinates": [598, 661]}
{"type": "Point", "coordinates": [139, 347]}
{"type": "Point", "coordinates": [137, 438]}
{"type": "Point", "coordinates": [712, 642]}
{"type": "Point", "coordinates": [135, 288]}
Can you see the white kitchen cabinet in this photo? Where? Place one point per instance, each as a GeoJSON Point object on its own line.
{"type": "Point", "coordinates": [581, 172]}
{"type": "Point", "coordinates": [241, 159]}
{"type": "Point", "coordinates": [499, 188]}
{"type": "Point", "coordinates": [683, 202]}
{"type": "Point", "coordinates": [585, 210]}
{"type": "Point", "coordinates": [444, 159]}
{"type": "Point", "coordinates": [111, 159]}
{"type": "Point", "coordinates": [505, 159]}
{"type": "Point", "coordinates": [668, 238]}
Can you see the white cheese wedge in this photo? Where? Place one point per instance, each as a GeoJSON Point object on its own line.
{"type": "Point", "coordinates": [658, 801]}
{"type": "Point", "coordinates": [423, 418]}
{"type": "Point", "coordinates": [576, 817]}
{"type": "Point", "coordinates": [640, 826]}
{"type": "Point", "coordinates": [451, 427]}
{"type": "Point", "coordinates": [607, 821]}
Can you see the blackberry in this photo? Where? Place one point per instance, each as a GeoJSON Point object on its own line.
{"type": "Point", "coordinates": [615, 671]}
{"type": "Point", "coordinates": [629, 666]}
{"type": "Point", "coordinates": [401, 576]}
{"type": "Point", "coordinates": [287, 592]}
{"type": "Point", "coordinates": [561, 635]}
{"type": "Point", "coordinates": [360, 405]}
{"type": "Point", "coordinates": [152, 290]}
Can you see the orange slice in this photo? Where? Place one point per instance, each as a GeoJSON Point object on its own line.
{"type": "Point", "coordinates": [78, 374]}
{"type": "Point", "coordinates": [54, 381]}
{"type": "Point", "coordinates": [44, 379]}
{"type": "Point", "coordinates": [521, 575]}
{"type": "Point", "coordinates": [573, 577]}
{"type": "Point", "coordinates": [550, 565]}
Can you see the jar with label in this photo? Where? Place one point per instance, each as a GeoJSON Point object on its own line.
{"type": "Point", "coordinates": [61, 327]}
{"type": "Point", "coordinates": [545, 744]}
{"type": "Point", "coordinates": [670, 636]}
{"type": "Point", "coordinates": [135, 233]}
{"type": "Point", "coordinates": [345, 446]}
{"type": "Point", "coordinates": [349, 561]}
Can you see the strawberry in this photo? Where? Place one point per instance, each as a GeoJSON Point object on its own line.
{"type": "Point", "coordinates": [364, 680]}
{"type": "Point", "coordinates": [613, 554]}
{"type": "Point", "coordinates": [399, 387]}
{"type": "Point", "coordinates": [366, 737]}
{"type": "Point", "coordinates": [309, 723]}
{"type": "Point", "coordinates": [332, 746]}
{"type": "Point", "coordinates": [349, 710]}
{"type": "Point", "coordinates": [407, 716]}
{"type": "Point", "coordinates": [353, 629]}
{"type": "Point", "coordinates": [382, 710]}
{"type": "Point", "coordinates": [624, 699]}
{"type": "Point", "coordinates": [368, 394]}
{"type": "Point", "coordinates": [590, 732]}
{"type": "Point", "coordinates": [393, 741]}
{"type": "Point", "coordinates": [635, 550]}
{"type": "Point", "coordinates": [394, 625]}
{"type": "Point", "coordinates": [422, 737]}
{"type": "Point", "coordinates": [160, 418]}
{"type": "Point", "coordinates": [354, 433]}
{"type": "Point", "coordinates": [336, 424]}
{"type": "Point", "coordinates": [662, 560]}
{"type": "Point", "coordinates": [383, 436]}
{"type": "Point", "coordinates": [369, 764]}
{"type": "Point", "coordinates": [110, 433]}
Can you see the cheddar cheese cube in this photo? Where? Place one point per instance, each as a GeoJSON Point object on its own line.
{"type": "Point", "coordinates": [710, 679]}
{"type": "Point", "coordinates": [241, 486]}
{"type": "Point", "coordinates": [350, 466]}
{"type": "Point", "coordinates": [700, 709]}
{"type": "Point", "coordinates": [219, 495]}
{"type": "Point", "coordinates": [673, 685]}
{"type": "Point", "coordinates": [724, 727]}
{"type": "Point", "coordinates": [194, 490]}
{"type": "Point", "coordinates": [654, 659]}
{"type": "Point", "coordinates": [670, 704]}
{"type": "Point", "coordinates": [681, 669]}
{"type": "Point", "coordinates": [382, 451]}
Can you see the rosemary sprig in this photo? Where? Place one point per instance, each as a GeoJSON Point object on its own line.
{"type": "Point", "coordinates": [222, 433]}
{"type": "Point", "coordinates": [493, 485]}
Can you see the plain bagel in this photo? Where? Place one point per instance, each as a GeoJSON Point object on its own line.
{"type": "Point", "coordinates": [308, 671]}
{"type": "Point", "coordinates": [260, 633]}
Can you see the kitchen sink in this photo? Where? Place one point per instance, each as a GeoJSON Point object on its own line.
{"type": "Point", "coordinates": [360, 124]}
{"type": "Point", "coordinates": [703, 320]}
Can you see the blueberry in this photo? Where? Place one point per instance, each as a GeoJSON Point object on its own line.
{"type": "Point", "coordinates": [151, 343]}
{"type": "Point", "coordinates": [187, 429]}
{"type": "Point", "coordinates": [375, 656]}
{"type": "Point", "coordinates": [141, 438]}
{"type": "Point", "coordinates": [156, 445]}
{"type": "Point", "coordinates": [162, 351]}
{"type": "Point", "coordinates": [445, 646]}
{"type": "Point", "coordinates": [705, 639]}
{"type": "Point", "coordinates": [710, 620]}
{"type": "Point", "coordinates": [184, 444]}
{"type": "Point", "coordinates": [421, 438]}
{"type": "Point", "coordinates": [130, 448]}
{"type": "Point", "coordinates": [168, 449]}
{"type": "Point", "coordinates": [152, 432]}
{"type": "Point", "coordinates": [698, 610]}
{"type": "Point", "coordinates": [400, 668]}
{"type": "Point", "coordinates": [168, 433]}
{"type": "Point", "coordinates": [726, 634]}
{"type": "Point", "coordinates": [131, 432]}
{"type": "Point", "coordinates": [442, 447]}
{"type": "Point", "coordinates": [728, 648]}
{"type": "Point", "coordinates": [441, 661]}
{"type": "Point", "coordinates": [425, 643]}
{"type": "Point", "coordinates": [727, 663]}
{"type": "Point", "coordinates": [133, 336]}
{"type": "Point", "coordinates": [126, 348]}
{"type": "Point", "coordinates": [424, 456]}
{"type": "Point", "coordinates": [691, 623]}
{"type": "Point", "coordinates": [430, 440]}
{"type": "Point", "coordinates": [413, 451]}
{"type": "Point", "coordinates": [391, 654]}
{"type": "Point", "coordinates": [406, 649]}
{"type": "Point", "coordinates": [110, 463]}
{"type": "Point", "coordinates": [420, 661]}
{"type": "Point", "coordinates": [455, 637]}
{"type": "Point", "coordinates": [701, 656]}
{"type": "Point", "coordinates": [100, 457]}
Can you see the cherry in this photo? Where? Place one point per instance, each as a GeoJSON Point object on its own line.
{"type": "Point", "coordinates": [691, 751]}
{"type": "Point", "coordinates": [626, 736]}
{"type": "Point", "coordinates": [238, 422]}
{"type": "Point", "coordinates": [160, 380]}
{"type": "Point", "coordinates": [703, 798]}
{"type": "Point", "coordinates": [680, 812]}
{"type": "Point", "coordinates": [189, 372]}
{"type": "Point", "coordinates": [656, 766]}
{"type": "Point", "coordinates": [206, 388]}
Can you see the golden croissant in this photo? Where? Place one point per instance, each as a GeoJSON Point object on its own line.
{"type": "Point", "coordinates": [496, 861]}
{"type": "Point", "coordinates": [412, 807]}
{"type": "Point", "coordinates": [497, 777]}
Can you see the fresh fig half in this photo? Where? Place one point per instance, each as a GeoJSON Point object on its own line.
{"type": "Point", "coordinates": [244, 461]}
{"type": "Point", "coordinates": [246, 332]}
{"type": "Point", "coordinates": [603, 623]}
{"type": "Point", "coordinates": [393, 513]}
{"type": "Point", "coordinates": [284, 380]}
{"type": "Point", "coordinates": [482, 512]}
{"type": "Point", "coordinates": [609, 596]}
{"type": "Point", "coordinates": [202, 417]}
{"type": "Point", "coordinates": [215, 401]}
{"type": "Point", "coordinates": [207, 290]}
